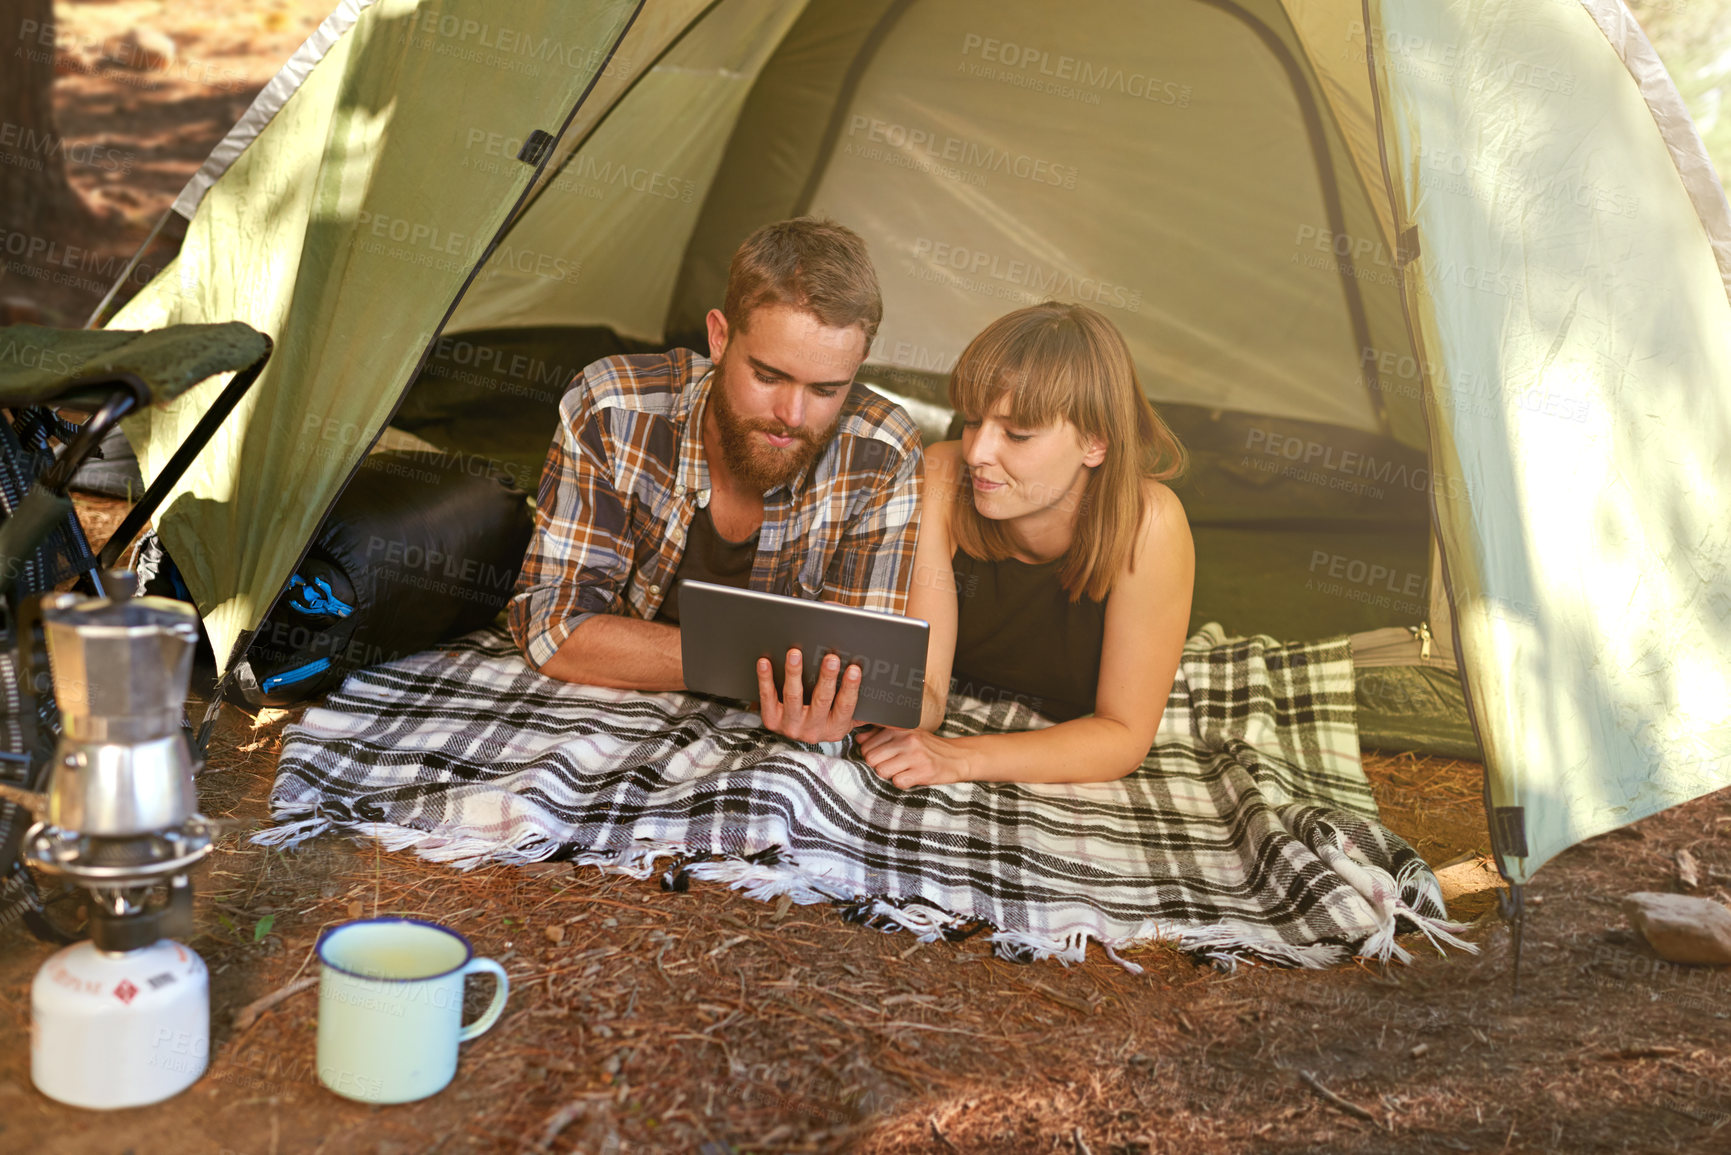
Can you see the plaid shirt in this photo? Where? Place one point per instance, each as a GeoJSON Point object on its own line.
{"type": "Point", "coordinates": [627, 472]}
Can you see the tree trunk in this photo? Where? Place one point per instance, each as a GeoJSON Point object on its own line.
{"type": "Point", "coordinates": [35, 196]}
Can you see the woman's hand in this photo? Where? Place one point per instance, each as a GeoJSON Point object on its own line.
{"type": "Point", "coordinates": [829, 718]}
{"type": "Point", "coordinates": [908, 758]}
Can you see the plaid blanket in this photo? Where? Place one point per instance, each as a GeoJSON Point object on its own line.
{"type": "Point", "coordinates": [1249, 832]}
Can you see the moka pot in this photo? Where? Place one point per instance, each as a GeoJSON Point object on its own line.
{"type": "Point", "coordinates": [121, 668]}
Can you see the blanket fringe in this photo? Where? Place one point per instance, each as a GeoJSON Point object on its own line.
{"type": "Point", "coordinates": [462, 853]}
{"type": "Point", "coordinates": [1435, 928]}
{"type": "Point", "coordinates": [292, 832]}
{"type": "Point", "coordinates": [1225, 944]}
{"type": "Point", "coordinates": [639, 860]}
{"type": "Point", "coordinates": [1133, 968]}
{"type": "Point", "coordinates": [1032, 947]}
{"type": "Point", "coordinates": [767, 883]}
{"type": "Point", "coordinates": [1415, 875]}
{"type": "Point", "coordinates": [926, 923]}
{"type": "Point", "coordinates": [1381, 946]}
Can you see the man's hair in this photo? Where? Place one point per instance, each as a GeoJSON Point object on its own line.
{"type": "Point", "coordinates": [814, 265]}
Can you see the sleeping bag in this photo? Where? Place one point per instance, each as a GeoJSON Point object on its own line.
{"type": "Point", "coordinates": [422, 547]}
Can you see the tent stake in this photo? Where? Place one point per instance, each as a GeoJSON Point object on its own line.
{"type": "Point", "coordinates": [1515, 910]}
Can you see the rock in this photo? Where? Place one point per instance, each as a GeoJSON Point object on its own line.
{"type": "Point", "coordinates": [1681, 928]}
{"type": "Point", "coordinates": [144, 50]}
{"type": "Point", "coordinates": [1473, 876]}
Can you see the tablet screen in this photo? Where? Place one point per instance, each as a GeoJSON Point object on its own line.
{"type": "Point", "coordinates": [723, 631]}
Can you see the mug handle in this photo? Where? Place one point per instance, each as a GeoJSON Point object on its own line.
{"type": "Point", "coordinates": [496, 1007]}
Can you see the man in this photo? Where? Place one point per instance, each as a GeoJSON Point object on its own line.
{"type": "Point", "coordinates": [760, 466]}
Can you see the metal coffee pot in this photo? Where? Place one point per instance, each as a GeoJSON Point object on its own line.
{"type": "Point", "coordinates": [121, 668]}
{"type": "Point", "coordinates": [123, 1019]}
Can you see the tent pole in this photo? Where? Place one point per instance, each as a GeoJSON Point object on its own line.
{"type": "Point", "coordinates": [114, 289]}
{"type": "Point", "coordinates": [867, 52]}
{"type": "Point", "coordinates": [1515, 913]}
{"type": "Point", "coordinates": [219, 691]}
{"type": "Point", "coordinates": [1316, 133]}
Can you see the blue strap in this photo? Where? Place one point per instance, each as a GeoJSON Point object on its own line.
{"type": "Point", "coordinates": [319, 600]}
{"type": "Point", "coordinates": [298, 674]}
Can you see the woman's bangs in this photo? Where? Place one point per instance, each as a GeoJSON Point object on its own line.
{"type": "Point", "coordinates": [1028, 367]}
{"type": "Point", "coordinates": [976, 385]}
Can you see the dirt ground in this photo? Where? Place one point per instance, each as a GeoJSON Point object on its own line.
{"type": "Point", "coordinates": [647, 1020]}
{"type": "Point", "coordinates": [131, 138]}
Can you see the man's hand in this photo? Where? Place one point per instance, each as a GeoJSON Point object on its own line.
{"type": "Point", "coordinates": [914, 757]}
{"type": "Point", "coordinates": [829, 718]}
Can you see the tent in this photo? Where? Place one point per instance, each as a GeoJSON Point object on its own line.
{"type": "Point", "coordinates": [1398, 270]}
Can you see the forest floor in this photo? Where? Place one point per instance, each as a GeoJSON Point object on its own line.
{"type": "Point", "coordinates": [645, 1020]}
{"type": "Point", "coordinates": [648, 1020]}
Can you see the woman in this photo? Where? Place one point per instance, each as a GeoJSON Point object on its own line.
{"type": "Point", "coordinates": [1053, 565]}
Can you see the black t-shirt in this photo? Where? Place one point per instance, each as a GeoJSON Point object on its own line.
{"type": "Point", "coordinates": [1019, 636]}
{"type": "Point", "coordinates": [709, 557]}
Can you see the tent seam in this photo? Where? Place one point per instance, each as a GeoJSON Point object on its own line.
{"type": "Point", "coordinates": [270, 101]}
{"type": "Point", "coordinates": [1676, 126]}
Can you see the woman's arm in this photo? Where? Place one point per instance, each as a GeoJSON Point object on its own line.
{"type": "Point", "coordinates": [1146, 617]}
{"type": "Point", "coordinates": [932, 597]}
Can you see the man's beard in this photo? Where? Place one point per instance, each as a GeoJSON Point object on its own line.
{"type": "Point", "coordinates": [756, 463]}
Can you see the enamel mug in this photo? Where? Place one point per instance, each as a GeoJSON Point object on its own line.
{"type": "Point", "coordinates": [391, 1007]}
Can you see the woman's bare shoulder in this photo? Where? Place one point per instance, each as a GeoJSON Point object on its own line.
{"type": "Point", "coordinates": [945, 457]}
{"type": "Point", "coordinates": [946, 474]}
{"type": "Point", "coordinates": [1165, 529]}
{"type": "Point", "coordinates": [1161, 509]}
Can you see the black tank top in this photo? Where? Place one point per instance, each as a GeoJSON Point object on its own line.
{"type": "Point", "coordinates": [1019, 636]}
{"type": "Point", "coordinates": [709, 557]}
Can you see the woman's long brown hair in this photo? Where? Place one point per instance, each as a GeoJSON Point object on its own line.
{"type": "Point", "coordinates": [1057, 362]}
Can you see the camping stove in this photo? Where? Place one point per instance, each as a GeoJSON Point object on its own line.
{"type": "Point", "coordinates": [123, 1019]}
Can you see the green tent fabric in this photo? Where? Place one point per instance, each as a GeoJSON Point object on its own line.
{"type": "Point", "coordinates": [1468, 260]}
{"type": "Point", "coordinates": [1401, 709]}
{"type": "Point", "coordinates": [37, 362]}
{"type": "Point", "coordinates": [345, 229]}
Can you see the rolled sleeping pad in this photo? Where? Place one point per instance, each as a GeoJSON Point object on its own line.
{"type": "Point", "coordinates": [422, 547]}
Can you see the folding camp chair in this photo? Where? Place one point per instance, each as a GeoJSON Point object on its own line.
{"type": "Point", "coordinates": [108, 374]}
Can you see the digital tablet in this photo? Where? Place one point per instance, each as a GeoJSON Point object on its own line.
{"type": "Point", "coordinates": [723, 631]}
